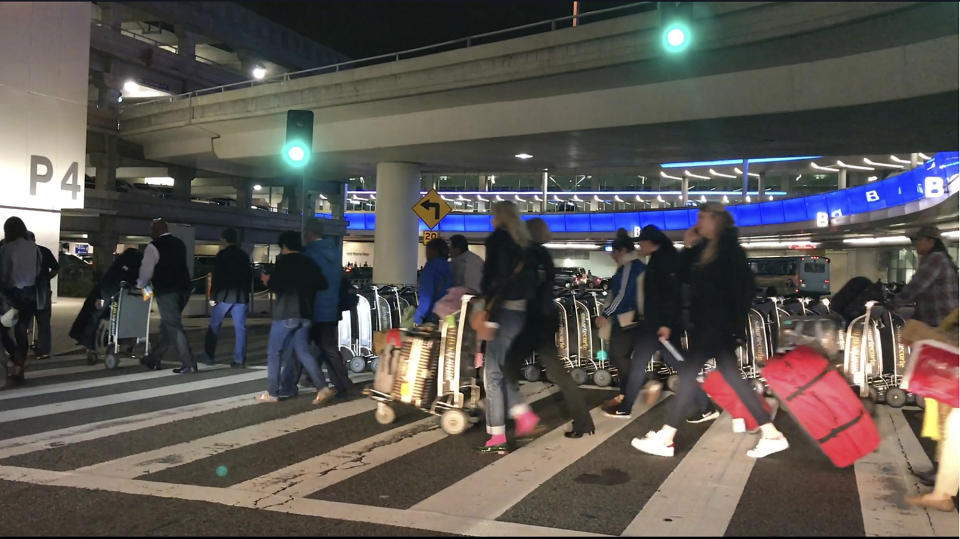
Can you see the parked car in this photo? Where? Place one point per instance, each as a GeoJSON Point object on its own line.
{"type": "Point", "coordinates": [571, 277]}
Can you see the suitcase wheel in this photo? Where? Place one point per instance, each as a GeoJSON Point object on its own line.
{"type": "Point", "coordinates": [602, 378]}
{"type": "Point", "coordinates": [111, 362]}
{"type": "Point", "coordinates": [454, 422]}
{"type": "Point", "coordinates": [579, 375]}
{"type": "Point", "coordinates": [530, 373]}
{"type": "Point", "coordinates": [373, 364]}
{"type": "Point", "coordinates": [384, 413]}
{"type": "Point", "coordinates": [92, 357]}
{"type": "Point", "coordinates": [896, 398]}
{"type": "Point", "coordinates": [357, 364]}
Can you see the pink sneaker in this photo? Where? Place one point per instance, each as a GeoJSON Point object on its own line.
{"type": "Point", "coordinates": [526, 424]}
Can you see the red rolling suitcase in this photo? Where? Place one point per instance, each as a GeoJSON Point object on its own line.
{"type": "Point", "coordinates": [723, 395]}
{"type": "Point", "coordinates": [821, 401]}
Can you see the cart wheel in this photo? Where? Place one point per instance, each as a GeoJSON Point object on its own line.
{"type": "Point", "coordinates": [673, 382]}
{"type": "Point", "coordinates": [373, 364]}
{"type": "Point", "coordinates": [759, 387]}
{"type": "Point", "coordinates": [919, 401]}
{"type": "Point", "coordinates": [602, 378]}
{"type": "Point", "coordinates": [874, 396]}
{"type": "Point", "coordinates": [384, 414]}
{"type": "Point", "coordinates": [111, 362]}
{"type": "Point", "coordinates": [896, 398]}
{"type": "Point", "coordinates": [579, 376]}
{"type": "Point", "coordinates": [92, 357]}
{"type": "Point", "coordinates": [454, 422]}
{"type": "Point", "coordinates": [357, 364]}
{"type": "Point", "coordinates": [530, 373]}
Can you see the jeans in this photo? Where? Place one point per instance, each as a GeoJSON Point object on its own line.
{"type": "Point", "coordinates": [170, 305]}
{"type": "Point", "coordinates": [25, 300]}
{"type": "Point", "coordinates": [43, 332]}
{"type": "Point", "coordinates": [238, 312]}
{"type": "Point", "coordinates": [325, 336]}
{"type": "Point", "coordinates": [727, 366]}
{"type": "Point", "coordinates": [503, 392]}
{"type": "Point", "coordinates": [645, 344]}
{"type": "Point", "coordinates": [290, 334]}
{"type": "Point", "coordinates": [539, 336]}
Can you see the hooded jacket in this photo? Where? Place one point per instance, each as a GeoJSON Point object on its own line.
{"type": "Point", "coordinates": [326, 256]}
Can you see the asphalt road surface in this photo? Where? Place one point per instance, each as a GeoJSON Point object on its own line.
{"type": "Point", "coordinates": [86, 451]}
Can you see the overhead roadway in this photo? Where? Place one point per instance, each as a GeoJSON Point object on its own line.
{"type": "Point", "coordinates": [761, 79]}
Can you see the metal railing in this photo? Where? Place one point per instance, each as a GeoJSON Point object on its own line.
{"type": "Point", "coordinates": [549, 25]}
{"type": "Point", "coordinates": [158, 44]}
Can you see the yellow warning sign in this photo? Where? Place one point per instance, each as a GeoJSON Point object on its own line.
{"type": "Point", "coordinates": [429, 235]}
{"type": "Point", "coordinates": [431, 209]}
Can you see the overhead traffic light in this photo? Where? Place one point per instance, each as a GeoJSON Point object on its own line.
{"type": "Point", "coordinates": [297, 147]}
{"type": "Point", "coordinates": [674, 25]}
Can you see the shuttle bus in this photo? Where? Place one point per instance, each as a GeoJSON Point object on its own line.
{"type": "Point", "coordinates": [792, 275]}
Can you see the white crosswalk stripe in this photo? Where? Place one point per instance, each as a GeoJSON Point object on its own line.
{"type": "Point", "coordinates": [699, 497]}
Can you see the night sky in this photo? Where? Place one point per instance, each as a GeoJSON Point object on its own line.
{"type": "Point", "coordinates": [362, 28]}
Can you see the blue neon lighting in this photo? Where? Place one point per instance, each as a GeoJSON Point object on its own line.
{"type": "Point", "coordinates": [723, 162]}
{"type": "Point", "coordinates": [894, 191]}
{"type": "Point", "coordinates": [584, 193]}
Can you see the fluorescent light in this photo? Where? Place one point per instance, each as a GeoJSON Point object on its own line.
{"type": "Point", "coordinates": [740, 172]}
{"type": "Point", "coordinates": [924, 156]}
{"type": "Point", "coordinates": [872, 179]}
{"type": "Point", "coordinates": [660, 199]}
{"type": "Point", "coordinates": [517, 198]}
{"type": "Point", "coordinates": [828, 169]}
{"type": "Point", "coordinates": [898, 160]}
{"type": "Point", "coordinates": [523, 156]}
{"type": "Point", "coordinates": [780, 245]}
{"type": "Point", "coordinates": [616, 198]}
{"type": "Point", "coordinates": [770, 197]}
{"type": "Point", "coordinates": [722, 162]}
{"type": "Point", "coordinates": [689, 174]}
{"type": "Point", "coordinates": [259, 72]}
{"type": "Point", "coordinates": [855, 167]}
{"type": "Point", "coordinates": [885, 240]}
{"type": "Point", "coordinates": [703, 199]}
{"type": "Point", "coordinates": [715, 173]}
{"type": "Point", "coordinates": [725, 199]}
{"type": "Point", "coordinates": [748, 198]}
{"type": "Point", "coordinates": [119, 99]}
{"type": "Point", "coordinates": [498, 198]}
{"type": "Point", "coordinates": [888, 165]}
{"type": "Point", "coordinates": [572, 246]}
{"type": "Point", "coordinates": [669, 177]}
{"type": "Point", "coordinates": [537, 198]}
{"type": "Point", "coordinates": [130, 86]}
{"type": "Point", "coordinates": [257, 187]}
{"type": "Point", "coordinates": [638, 198]}
{"type": "Point", "coordinates": [596, 197]}
{"type": "Point", "coordinates": [953, 234]}
{"type": "Point", "coordinates": [253, 207]}
{"type": "Point", "coordinates": [159, 180]}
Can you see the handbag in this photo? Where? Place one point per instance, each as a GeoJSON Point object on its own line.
{"type": "Point", "coordinates": [479, 319]}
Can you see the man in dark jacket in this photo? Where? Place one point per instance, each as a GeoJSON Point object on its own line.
{"type": "Point", "coordinates": [229, 293]}
{"type": "Point", "coordinates": [165, 266]}
{"type": "Point", "coordinates": [295, 281]}
{"type": "Point", "coordinates": [48, 270]}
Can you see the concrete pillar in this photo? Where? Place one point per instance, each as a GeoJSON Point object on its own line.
{"type": "Point", "coordinates": [684, 191]}
{"type": "Point", "coordinates": [544, 180]}
{"type": "Point", "coordinates": [106, 165]}
{"type": "Point", "coordinates": [842, 179]}
{"type": "Point", "coordinates": [785, 183]}
{"type": "Point", "coordinates": [110, 16]}
{"type": "Point", "coordinates": [182, 178]}
{"type": "Point", "coordinates": [760, 187]}
{"type": "Point", "coordinates": [186, 43]}
{"type": "Point", "coordinates": [395, 237]}
{"type": "Point", "coordinates": [746, 177]}
{"type": "Point", "coordinates": [244, 193]}
{"type": "Point", "coordinates": [914, 160]}
{"type": "Point", "coordinates": [104, 243]}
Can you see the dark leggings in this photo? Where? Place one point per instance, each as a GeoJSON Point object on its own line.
{"type": "Point", "coordinates": [623, 342]}
{"type": "Point", "coordinates": [645, 345]}
{"type": "Point", "coordinates": [729, 369]}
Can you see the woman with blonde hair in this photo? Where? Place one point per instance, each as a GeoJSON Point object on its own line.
{"type": "Point", "coordinates": [715, 267]}
{"type": "Point", "coordinates": [507, 285]}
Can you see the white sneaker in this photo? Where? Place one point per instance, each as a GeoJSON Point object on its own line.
{"type": "Point", "coordinates": [768, 446]}
{"type": "Point", "coordinates": [652, 444]}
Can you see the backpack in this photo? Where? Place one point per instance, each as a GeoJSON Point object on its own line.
{"type": "Point", "coordinates": [349, 297]}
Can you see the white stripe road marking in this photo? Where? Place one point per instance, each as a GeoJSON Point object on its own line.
{"type": "Point", "coordinates": [701, 494]}
{"type": "Point", "coordinates": [179, 454]}
{"type": "Point", "coordinates": [109, 427]}
{"type": "Point", "coordinates": [107, 400]}
{"type": "Point", "coordinates": [284, 504]}
{"type": "Point", "coordinates": [58, 371]}
{"type": "Point", "coordinates": [488, 493]}
{"type": "Point", "coordinates": [322, 471]}
{"type": "Point", "coordinates": [16, 393]}
{"type": "Point", "coordinates": [883, 480]}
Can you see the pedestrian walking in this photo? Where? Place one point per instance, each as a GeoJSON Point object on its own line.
{"type": "Point", "coordinates": [164, 267]}
{"type": "Point", "coordinates": [721, 284]}
{"type": "Point", "coordinates": [49, 267]}
{"type": "Point", "coordinates": [466, 266]}
{"type": "Point", "coordinates": [295, 280]}
{"type": "Point", "coordinates": [19, 271]}
{"type": "Point", "coordinates": [433, 282]}
{"type": "Point", "coordinates": [507, 285]}
{"type": "Point", "coordinates": [540, 329]}
{"type": "Point", "coordinates": [230, 290]}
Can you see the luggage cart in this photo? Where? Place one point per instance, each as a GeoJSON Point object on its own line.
{"type": "Point", "coordinates": [361, 337]}
{"type": "Point", "coordinates": [875, 356]}
{"type": "Point", "coordinates": [599, 361]}
{"type": "Point", "coordinates": [573, 340]}
{"type": "Point", "coordinates": [433, 372]}
{"type": "Point", "coordinates": [129, 319]}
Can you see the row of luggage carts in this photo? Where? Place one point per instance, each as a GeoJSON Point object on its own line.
{"type": "Point", "coordinates": [378, 309]}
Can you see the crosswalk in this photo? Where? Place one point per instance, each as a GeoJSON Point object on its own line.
{"type": "Point", "coordinates": [204, 438]}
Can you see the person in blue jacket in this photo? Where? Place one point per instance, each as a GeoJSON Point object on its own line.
{"type": "Point", "coordinates": [435, 279]}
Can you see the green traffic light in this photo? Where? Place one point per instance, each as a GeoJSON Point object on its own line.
{"type": "Point", "coordinates": [295, 154]}
{"type": "Point", "coordinates": [676, 37]}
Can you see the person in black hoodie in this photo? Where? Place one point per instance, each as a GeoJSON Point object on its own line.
{"type": "Point", "coordinates": [229, 293]}
{"type": "Point", "coordinates": [659, 318]}
{"type": "Point", "coordinates": [123, 270]}
{"type": "Point", "coordinates": [295, 281]}
{"type": "Point", "coordinates": [539, 331]}
{"type": "Point", "coordinates": [721, 283]}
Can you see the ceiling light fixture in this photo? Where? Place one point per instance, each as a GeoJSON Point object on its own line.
{"type": "Point", "coordinates": [888, 165]}
{"type": "Point", "coordinates": [899, 160]}
{"type": "Point", "coordinates": [725, 199]}
{"type": "Point", "coordinates": [924, 156]}
{"type": "Point", "coordinates": [719, 175]}
{"type": "Point", "coordinates": [740, 172]}
{"type": "Point", "coordinates": [855, 167]}
{"type": "Point", "coordinates": [257, 187]}
{"type": "Point", "coordinates": [669, 177]}
{"type": "Point", "coordinates": [828, 169]}
{"type": "Point", "coordinates": [689, 174]}
{"type": "Point", "coordinates": [523, 156]}
{"type": "Point", "coordinates": [259, 72]}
